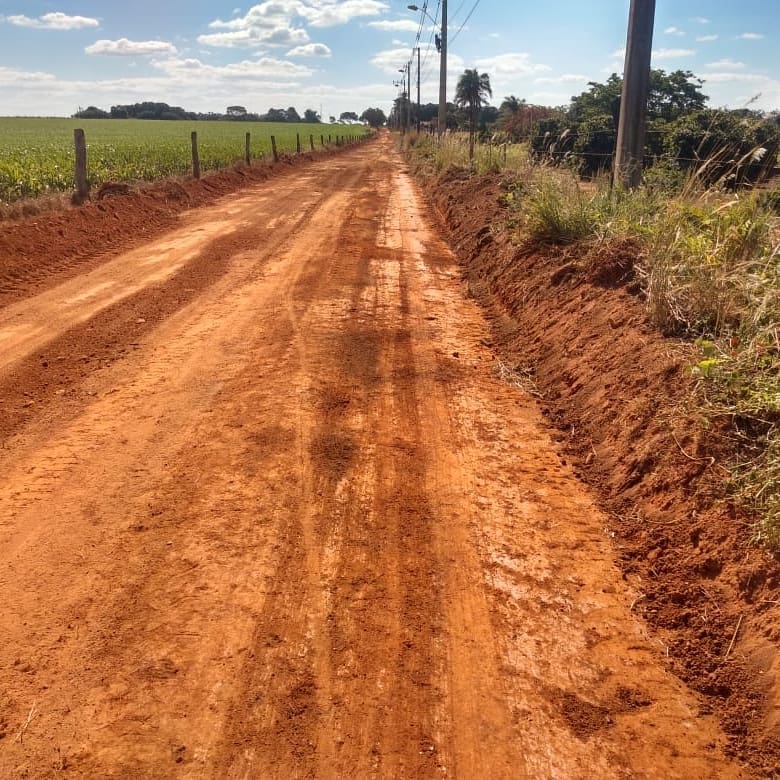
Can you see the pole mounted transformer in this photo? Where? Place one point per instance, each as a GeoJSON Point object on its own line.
{"type": "Point", "coordinates": [441, 47]}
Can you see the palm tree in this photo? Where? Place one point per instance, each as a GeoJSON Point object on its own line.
{"type": "Point", "coordinates": [509, 108]}
{"type": "Point", "coordinates": [472, 93]}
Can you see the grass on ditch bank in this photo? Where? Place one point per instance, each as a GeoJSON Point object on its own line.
{"type": "Point", "coordinates": [708, 265]}
{"type": "Point", "coordinates": [453, 150]}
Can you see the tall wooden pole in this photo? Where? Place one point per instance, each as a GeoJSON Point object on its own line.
{"type": "Point", "coordinates": [442, 120]}
{"type": "Point", "coordinates": [409, 98]}
{"type": "Point", "coordinates": [636, 89]}
{"type": "Point", "coordinates": [82, 180]}
{"type": "Point", "coordinates": [418, 89]}
{"type": "Point", "coordinates": [195, 155]}
{"type": "Point", "coordinates": [402, 107]}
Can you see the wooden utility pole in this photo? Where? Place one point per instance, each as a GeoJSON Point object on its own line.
{"type": "Point", "coordinates": [409, 96]}
{"type": "Point", "coordinates": [195, 156]}
{"type": "Point", "coordinates": [82, 181]}
{"type": "Point", "coordinates": [418, 89]}
{"type": "Point", "coordinates": [401, 105]}
{"type": "Point", "coordinates": [442, 120]}
{"type": "Point", "coordinates": [636, 89]}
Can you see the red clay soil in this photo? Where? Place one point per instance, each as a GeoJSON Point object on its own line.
{"type": "Point", "coordinates": [608, 381]}
{"type": "Point", "coordinates": [38, 252]}
{"type": "Point", "coordinates": [614, 387]}
{"type": "Point", "coordinates": [276, 516]}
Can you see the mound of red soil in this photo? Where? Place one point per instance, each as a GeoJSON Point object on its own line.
{"type": "Point", "coordinates": [615, 388]}
{"type": "Point", "coordinates": [40, 251]}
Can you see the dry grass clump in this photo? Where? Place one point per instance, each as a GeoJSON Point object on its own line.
{"type": "Point", "coordinates": [32, 207]}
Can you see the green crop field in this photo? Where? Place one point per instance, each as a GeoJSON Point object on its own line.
{"type": "Point", "coordinates": [37, 155]}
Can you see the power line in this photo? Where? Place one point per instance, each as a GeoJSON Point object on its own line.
{"type": "Point", "coordinates": [433, 32]}
{"type": "Point", "coordinates": [424, 63]}
{"type": "Point", "coordinates": [457, 10]}
{"type": "Point", "coordinates": [465, 21]}
{"type": "Point", "coordinates": [423, 13]}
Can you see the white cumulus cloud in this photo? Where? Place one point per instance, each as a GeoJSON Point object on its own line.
{"type": "Point", "coordinates": [564, 78]}
{"type": "Point", "coordinates": [13, 77]}
{"type": "Point", "coordinates": [310, 50]}
{"type": "Point", "coordinates": [256, 36]}
{"type": "Point", "coordinates": [726, 64]}
{"type": "Point", "coordinates": [672, 54]}
{"type": "Point", "coordinates": [284, 22]}
{"type": "Point", "coordinates": [329, 13]}
{"type": "Point", "coordinates": [391, 60]}
{"type": "Point", "coordinates": [125, 48]}
{"type": "Point", "coordinates": [510, 64]}
{"type": "Point", "coordinates": [261, 69]}
{"type": "Point", "coordinates": [706, 38]}
{"type": "Point", "coordinates": [55, 20]}
{"type": "Point", "coordinates": [396, 25]}
{"type": "Point", "coordinates": [751, 36]}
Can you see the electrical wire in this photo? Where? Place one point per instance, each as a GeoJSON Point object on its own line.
{"type": "Point", "coordinates": [425, 71]}
{"type": "Point", "coordinates": [433, 32]}
{"type": "Point", "coordinates": [465, 21]}
{"type": "Point", "coordinates": [457, 11]}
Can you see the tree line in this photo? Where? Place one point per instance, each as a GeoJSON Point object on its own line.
{"type": "Point", "coordinates": [162, 111]}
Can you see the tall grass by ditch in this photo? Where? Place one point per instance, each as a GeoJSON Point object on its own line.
{"type": "Point", "coordinates": [453, 151]}
{"type": "Point", "coordinates": [708, 264]}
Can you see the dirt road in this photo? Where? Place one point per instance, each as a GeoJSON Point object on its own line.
{"type": "Point", "coordinates": [269, 508]}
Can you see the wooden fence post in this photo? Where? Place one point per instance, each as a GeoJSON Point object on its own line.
{"type": "Point", "coordinates": [195, 156]}
{"type": "Point", "coordinates": [82, 182]}
{"type": "Point", "coordinates": [273, 148]}
{"type": "Point", "coordinates": [248, 149]}
{"type": "Point", "coordinates": [328, 137]}
{"type": "Point", "coordinates": [322, 140]}
{"type": "Point", "coordinates": [311, 142]}
{"type": "Point", "coordinates": [298, 142]}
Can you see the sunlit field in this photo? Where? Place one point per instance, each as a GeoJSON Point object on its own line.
{"type": "Point", "coordinates": [37, 156]}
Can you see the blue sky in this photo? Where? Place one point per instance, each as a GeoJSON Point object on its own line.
{"type": "Point", "coordinates": [343, 55]}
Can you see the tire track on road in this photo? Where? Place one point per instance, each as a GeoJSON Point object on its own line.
{"type": "Point", "coordinates": [304, 530]}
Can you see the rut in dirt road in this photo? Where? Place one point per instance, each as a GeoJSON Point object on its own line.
{"type": "Point", "coordinates": [268, 510]}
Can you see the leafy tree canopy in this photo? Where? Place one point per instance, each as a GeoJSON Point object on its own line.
{"type": "Point", "coordinates": [91, 112]}
{"type": "Point", "coordinates": [671, 95]}
{"type": "Point", "coordinates": [374, 116]}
